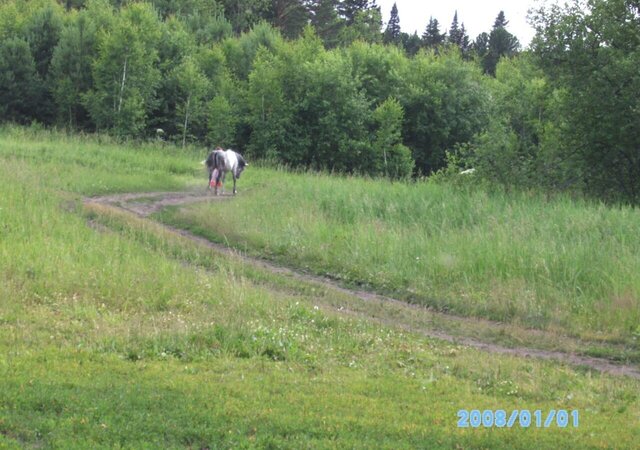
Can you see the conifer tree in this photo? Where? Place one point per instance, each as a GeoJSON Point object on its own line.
{"type": "Point", "coordinates": [481, 45]}
{"type": "Point", "coordinates": [349, 9]}
{"type": "Point", "coordinates": [501, 43]}
{"type": "Point", "coordinates": [432, 37]}
{"type": "Point", "coordinates": [501, 21]}
{"type": "Point", "coordinates": [324, 18]}
{"type": "Point", "coordinates": [243, 14]}
{"type": "Point", "coordinates": [392, 33]}
{"type": "Point", "coordinates": [411, 43]}
{"type": "Point", "coordinates": [290, 16]}
{"type": "Point", "coordinates": [455, 33]}
{"type": "Point", "coordinates": [71, 69]}
{"type": "Point", "coordinates": [20, 86]}
{"type": "Point", "coordinates": [367, 27]}
{"type": "Point", "coordinates": [42, 32]}
{"type": "Point", "coordinates": [458, 35]}
{"type": "Point", "coordinates": [465, 43]}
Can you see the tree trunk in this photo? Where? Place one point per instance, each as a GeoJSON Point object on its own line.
{"type": "Point", "coordinates": [124, 78]}
{"type": "Point", "coordinates": [186, 121]}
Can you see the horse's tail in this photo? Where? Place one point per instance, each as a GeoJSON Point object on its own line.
{"type": "Point", "coordinates": [210, 161]}
{"type": "Point", "coordinates": [218, 159]}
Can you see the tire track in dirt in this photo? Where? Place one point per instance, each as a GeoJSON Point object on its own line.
{"type": "Point", "coordinates": [388, 311]}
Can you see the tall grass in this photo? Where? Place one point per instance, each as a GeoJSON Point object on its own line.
{"type": "Point", "coordinates": [511, 257]}
{"type": "Point", "coordinates": [97, 164]}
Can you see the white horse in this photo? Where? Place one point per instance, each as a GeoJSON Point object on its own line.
{"type": "Point", "coordinates": [219, 162]}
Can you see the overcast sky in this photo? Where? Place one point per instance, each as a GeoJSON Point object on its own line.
{"type": "Point", "coordinates": [477, 16]}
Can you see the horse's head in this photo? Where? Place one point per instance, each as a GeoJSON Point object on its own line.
{"type": "Point", "coordinates": [241, 165]}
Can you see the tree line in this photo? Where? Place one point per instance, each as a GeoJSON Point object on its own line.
{"type": "Point", "coordinates": [321, 84]}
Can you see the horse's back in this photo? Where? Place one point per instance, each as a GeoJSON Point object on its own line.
{"type": "Point", "coordinates": [231, 159]}
{"type": "Point", "coordinates": [223, 160]}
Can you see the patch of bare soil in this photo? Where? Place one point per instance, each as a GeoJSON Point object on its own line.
{"type": "Point", "coordinates": [383, 309]}
{"type": "Point", "coordinates": [145, 204]}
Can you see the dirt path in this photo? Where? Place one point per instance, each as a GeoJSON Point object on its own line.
{"type": "Point", "coordinates": [382, 309]}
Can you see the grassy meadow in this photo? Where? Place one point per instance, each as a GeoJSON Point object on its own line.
{"type": "Point", "coordinates": [117, 334]}
{"type": "Point", "coordinates": [561, 264]}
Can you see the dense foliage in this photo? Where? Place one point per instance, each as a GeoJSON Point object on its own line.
{"type": "Point", "coordinates": [590, 52]}
{"type": "Point", "coordinates": [319, 84]}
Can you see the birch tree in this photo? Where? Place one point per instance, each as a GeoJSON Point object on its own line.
{"type": "Point", "coordinates": [71, 63]}
{"type": "Point", "coordinates": [125, 72]}
{"type": "Point", "coordinates": [193, 86]}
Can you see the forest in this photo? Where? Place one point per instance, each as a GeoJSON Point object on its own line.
{"type": "Point", "coordinates": [325, 85]}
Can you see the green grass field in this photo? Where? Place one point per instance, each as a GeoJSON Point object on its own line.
{"type": "Point", "coordinates": [115, 334]}
{"type": "Point", "coordinates": [550, 264]}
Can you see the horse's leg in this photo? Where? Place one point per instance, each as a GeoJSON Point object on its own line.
{"type": "Point", "coordinates": [220, 180]}
{"type": "Point", "coordinates": [234, 183]}
{"type": "Point", "coordinates": [216, 182]}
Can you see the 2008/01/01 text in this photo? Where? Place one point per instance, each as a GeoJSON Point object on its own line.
{"type": "Point", "coordinates": [500, 419]}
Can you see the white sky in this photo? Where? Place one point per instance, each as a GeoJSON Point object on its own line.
{"type": "Point", "coordinates": [477, 15]}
